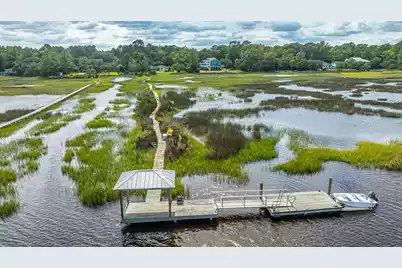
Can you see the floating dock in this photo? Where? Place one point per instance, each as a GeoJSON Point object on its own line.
{"type": "Point", "coordinates": [276, 203]}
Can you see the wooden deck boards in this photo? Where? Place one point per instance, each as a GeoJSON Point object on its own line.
{"type": "Point", "coordinates": [195, 209]}
{"type": "Point", "coordinates": [155, 195]}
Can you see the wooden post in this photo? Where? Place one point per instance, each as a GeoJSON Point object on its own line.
{"type": "Point", "coordinates": [261, 190]}
{"type": "Point", "coordinates": [121, 206]}
{"type": "Point", "coordinates": [128, 199]}
{"type": "Point", "coordinates": [329, 186]}
{"type": "Point", "coordinates": [170, 203]}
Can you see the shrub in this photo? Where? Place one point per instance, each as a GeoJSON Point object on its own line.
{"type": "Point", "coordinates": [226, 140]}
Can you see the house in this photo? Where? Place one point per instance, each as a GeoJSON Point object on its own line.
{"type": "Point", "coordinates": [160, 68]}
{"type": "Point", "coordinates": [7, 72]}
{"type": "Point", "coordinates": [327, 65]}
{"type": "Point", "coordinates": [358, 59]}
{"type": "Point", "coordinates": [58, 74]}
{"type": "Point", "coordinates": [210, 64]}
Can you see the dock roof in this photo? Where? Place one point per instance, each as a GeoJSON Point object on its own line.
{"type": "Point", "coordinates": [146, 179]}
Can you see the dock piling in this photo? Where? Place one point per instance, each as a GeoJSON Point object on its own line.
{"type": "Point", "coordinates": [121, 206]}
{"type": "Point", "coordinates": [261, 189]}
{"type": "Point", "coordinates": [329, 186]}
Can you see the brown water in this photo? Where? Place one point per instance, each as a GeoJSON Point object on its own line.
{"type": "Point", "coordinates": [51, 214]}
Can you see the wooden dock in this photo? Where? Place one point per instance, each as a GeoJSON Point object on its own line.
{"type": "Point", "coordinates": [155, 195]}
{"type": "Point", "coordinates": [157, 211]}
{"type": "Point", "coordinates": [277, 203]}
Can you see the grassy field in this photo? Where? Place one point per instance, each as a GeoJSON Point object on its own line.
{"type": "Point", "coordinates": [36, 86]}
{"type": "Point", "coordinates": [373, 74]}
{"type": "Point", "coordinates": [226, 81]}
{"type": "Point", "coordinates": [134, 85]}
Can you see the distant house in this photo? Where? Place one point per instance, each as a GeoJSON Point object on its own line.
{"type": "Point", "coordinates": [160, 68]}
{"type": "Point", "coordinates": [328, 65]}
{"type": "Point", "coordinates": [8, 72]}
{"type": "Point", "coordinates": [56, 74]}
{"type": "Point", "coordinates": [210, 64]}
{"type": "Point", "coordinates": [358, 59]}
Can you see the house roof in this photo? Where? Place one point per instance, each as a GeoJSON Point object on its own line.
{"type": "Point", "coordinates": [358, 59]}
{"type": "Point", "coordinates": [209, 59]}
{"type": "Point", "coordinates": [146, 179]}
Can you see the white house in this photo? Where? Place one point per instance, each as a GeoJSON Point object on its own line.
{"type": "Point", "coordinates": [358, 59]}
{"type": "Point", "coordinates": [210, 64]}
{"type": "Point", "coordinates": [7, 72]}
{"type": "Point", "coordinates": [160, 68]}
{"type": "Point", "coordinates": [327, 65]}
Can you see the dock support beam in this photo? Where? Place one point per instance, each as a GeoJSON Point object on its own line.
{"type": "Point", "coordinates": [121, 206]}
{"type": "Point", "coordinates": [170, 203]}
{"type": "Point", "coordinates": [329, 186]}
{"type": "Point", "coordinates": [261, 190]}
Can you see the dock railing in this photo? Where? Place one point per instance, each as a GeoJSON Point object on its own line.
{"type": "Point", "coordinates": [254, 199]}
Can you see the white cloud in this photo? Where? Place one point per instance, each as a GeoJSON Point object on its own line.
{"type": "Point", "coordinates": [195, 34]}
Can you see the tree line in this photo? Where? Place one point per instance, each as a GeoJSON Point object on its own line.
{"type": "Point", "coordinates": [138, 57]}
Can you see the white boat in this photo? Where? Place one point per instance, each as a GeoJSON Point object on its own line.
{"type": "Point", "coordinates": [356, 200]}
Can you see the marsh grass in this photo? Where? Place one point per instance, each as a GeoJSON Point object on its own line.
{"type": "Point", "coordinates": [100, 123]}
{"type": "Point", "coordinates": [8, 208]}
{"type": "Point", "coordinates": [356, 95]}
{"type": "Point", "coordinates": [100, 167]}
{"type": "Point", "coordinates": [87, 139]}
{"type": "Point", "coordinates": [11, 129]}
{"type": "Point", "coordinates": [137, 84]}
{"type": "Point", "coordinates": [119, 101]}
{"type": "Point", "coordinates": [52, 124]}
{"type": "Point", "coordinates": [68, 156]}
{"type": "Point", "coordinates": [105, 84]}
{"type": "Point", "coordinates": [117, 107]}
{"type": "Point", "coordinates": [12, 114]}
{"type": "Point", "coordinates": [365, 155]}
{"type": "Point", "coordinates": [21, 157]}
{"type": "Point", "coordinates": [43, 86]}
{"type": "Point", "coordinates": [324, 105]}
{"type": "Point", "coordinates": [85, 105]}
{"type": "Point", "coordinates": [7, 176]}
{"type": "Point", "coordinates": [195, 161]}
{"type": "Point", "coordinates": [4, 162]}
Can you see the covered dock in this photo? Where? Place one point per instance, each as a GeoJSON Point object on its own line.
{"type": "Point", "coordinates": [154, 209]}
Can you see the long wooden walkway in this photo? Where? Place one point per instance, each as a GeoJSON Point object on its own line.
{"type": "Point", "coordinates": [155, 195]}
{"type": "Point", "coordinates": [9, 123]}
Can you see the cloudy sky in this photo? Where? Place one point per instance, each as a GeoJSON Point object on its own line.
{"type": "Point", "coordinates": [197, 34]}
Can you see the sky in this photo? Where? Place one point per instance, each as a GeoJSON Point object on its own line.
{"type": "Point", "coordinates": [196, 34]}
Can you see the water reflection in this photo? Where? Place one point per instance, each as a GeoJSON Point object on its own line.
{"type": "Point", "coordinates": [23, 102]}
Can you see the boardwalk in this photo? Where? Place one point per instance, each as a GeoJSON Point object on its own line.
{"type": "Point", "coordinates": [155, 195]}
{"type": "Point", "coordinates": [41, 109]}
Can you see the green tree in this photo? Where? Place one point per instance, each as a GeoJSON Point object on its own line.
{"type": "Point", "coordinates": [50, 63]}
